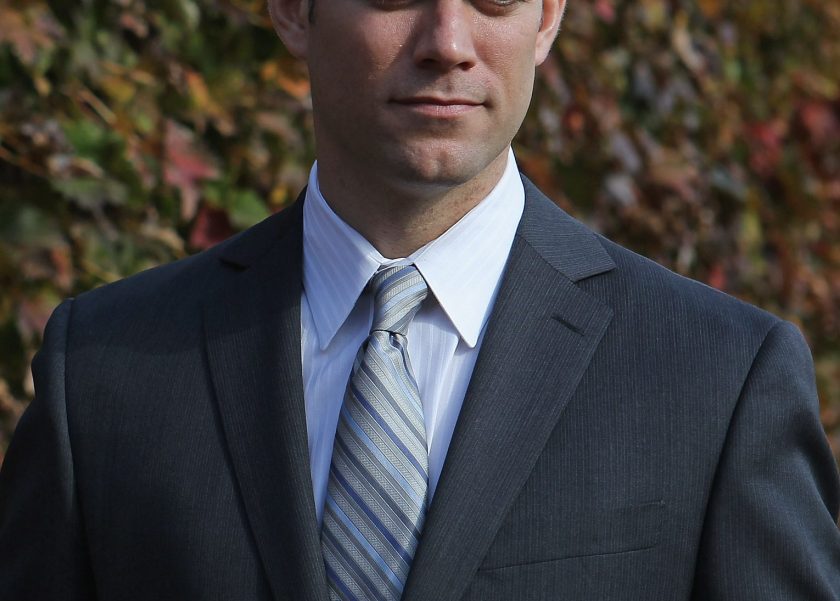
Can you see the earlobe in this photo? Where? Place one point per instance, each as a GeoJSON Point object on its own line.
{"type": "Point", "coordinates": [291, 22]}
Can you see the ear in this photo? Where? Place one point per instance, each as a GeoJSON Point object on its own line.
{"type": "Point", "coordinates": [291, 22]}
{"type": "Point", "coordinates": [552, 15]}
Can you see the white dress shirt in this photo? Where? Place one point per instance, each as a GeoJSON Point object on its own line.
{"type": "Point", "coordinates": [463, 269]}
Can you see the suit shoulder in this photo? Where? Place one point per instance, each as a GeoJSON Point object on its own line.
{"type": "Point", "coordinates": [150, 289]}
{"type": "Point", "coordinates": [645, 296]}
{"type": "Point", "coordinates": [643, 287]}
{"type": "Point", "coordinates": [172, 293]}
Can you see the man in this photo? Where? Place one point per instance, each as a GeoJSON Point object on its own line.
{"type": "Point", "coordinates": [422, 381]}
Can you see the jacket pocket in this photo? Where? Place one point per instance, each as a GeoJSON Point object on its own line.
{"type": "Point", "coordinates": [576, 533]}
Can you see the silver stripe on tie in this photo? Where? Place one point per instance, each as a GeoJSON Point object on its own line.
{"type": "Point", "coordinates": [378, 484]}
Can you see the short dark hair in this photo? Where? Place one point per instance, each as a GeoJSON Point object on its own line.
{"type": "Point", "coordinates": [311, 11]}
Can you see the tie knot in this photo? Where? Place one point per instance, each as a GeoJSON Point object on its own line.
{"type": "Point", "coordinates": [397, 294]}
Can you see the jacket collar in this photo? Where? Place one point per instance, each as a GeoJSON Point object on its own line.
{"type": "Point", "coordinates": [540, 339]}
{"type": "Point", "coordinates": [541, 336]}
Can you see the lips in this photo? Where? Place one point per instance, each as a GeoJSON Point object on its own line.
{"type": "Point", "coordinates": [437, 108]}
{"type": "Point", "coordinates": [437, 101]}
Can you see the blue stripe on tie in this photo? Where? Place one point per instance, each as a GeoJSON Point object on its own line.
{"type": "Point", "coordinates": [383, 287]}
{"type": "Point", "coordinates": [414, 399]}
{"type": "Point", "coordinates": [398, 298]}
{"type": "Point", "coordinates": [353, 568]}
{"type": "Point", "coordinates": [339, 513]}
{"type": "Point", "coordinates": [336, 581]}
{"type": "Point", "coordinates": [392, 278]}
{"type": "Point", "coordinates": [400, 272]}
{"type": "Point", "coordinates": [408, 392]}
{"type": "Point", "coordinates": [395, 343]}
{"type": "Point", "coordinates": [377, 522]}
{"type": "Point", "coordinates": [382, 404]}
{"type": "Point", "coordinates": [375, 345]}
{"type": "Point", "coordinates": [386, 463]}
{"type": "Point", "coordinates": [388, 431]}
{"type": "Point", "coordinates": [383, 421]}
{"type": "Point", "coordinates": [398, 511]}
{"type": "Point", "coordinates": [404, 416]}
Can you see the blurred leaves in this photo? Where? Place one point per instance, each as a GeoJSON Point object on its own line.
{"type": "Point", "coordinates": [704, 134]}
{"type": "Point", "coordinates": [131, 134]}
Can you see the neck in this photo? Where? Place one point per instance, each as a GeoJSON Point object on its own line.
{"type": "Point", "coordinates": [396, 217]}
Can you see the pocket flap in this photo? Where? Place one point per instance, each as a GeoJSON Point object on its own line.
{"type": "Point", "coordinates": [577, 533]}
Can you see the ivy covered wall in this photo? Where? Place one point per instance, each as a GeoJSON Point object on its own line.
{"type": "Point", "coordinates": [702, 133]}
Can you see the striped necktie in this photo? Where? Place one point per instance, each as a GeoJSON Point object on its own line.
{"type": "Point", "coordinates": [378, 482]}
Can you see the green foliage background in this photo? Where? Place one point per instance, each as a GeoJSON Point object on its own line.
{"type": "Point", "coordinates": [704, 134]}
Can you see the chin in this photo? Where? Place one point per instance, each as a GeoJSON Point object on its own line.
{"type": "Point", "coordinates": [440, 169]}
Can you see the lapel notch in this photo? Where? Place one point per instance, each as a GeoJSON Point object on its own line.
{"type": "Point", "coordinates": [252, 333]}
{"type": "Point", "coordinates": [540, 339]}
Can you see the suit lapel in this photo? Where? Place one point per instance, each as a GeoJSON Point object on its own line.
{"type": "Point", "coordinates": [252, 332]}
{"type": "Point", "coordinates": [540, 338]}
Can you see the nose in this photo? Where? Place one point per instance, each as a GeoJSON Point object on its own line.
{"type": "Point", "coordinates": [445, 36]}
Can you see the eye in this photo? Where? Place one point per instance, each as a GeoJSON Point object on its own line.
{"type": "Point", "coordinates": [493, 4]}
{"type": "Point", "coordinates": [486, 6]}
{"type": "Point", "coordinates": [391, 4]}
{"type": "Point", "coordinates": [498, 6]}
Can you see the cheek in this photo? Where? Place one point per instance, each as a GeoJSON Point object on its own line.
{"type": "Point", "coordinates": [342, 74]}
{"type": "Point", "coordinates": [347, 48]}
{"type": "Point", "coordinates": [514, 74]}
{"type": "Point", "coordinates": [375, 41]}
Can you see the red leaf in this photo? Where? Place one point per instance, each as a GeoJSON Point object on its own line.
{"type": "Point", "coordinates": [211, 226]}
{"type": "Point", "coordinates": [820, 122]}
{"type": "Point", "coordinates": [716, 277]}
{"type": "Point", "coordinates": [605, 10]}
{"type": "Point", "coordinates": [765, 142]}
{"type": "Point", "coordinates": [186, 166]}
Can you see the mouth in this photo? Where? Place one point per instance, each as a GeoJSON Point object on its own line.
{"type": "Point", "coordinates": [437, 106]}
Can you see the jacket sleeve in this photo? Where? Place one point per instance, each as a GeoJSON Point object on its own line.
{"type": "Point", "coordinates": [770, 530]}
{"type": "Point", "coordinates": [42, 547]}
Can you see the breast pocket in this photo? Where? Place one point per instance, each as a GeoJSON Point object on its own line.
{"type": "Point", "coordinates": [541, 535]}
{"type": "Point", "coordinates": [608, 554]}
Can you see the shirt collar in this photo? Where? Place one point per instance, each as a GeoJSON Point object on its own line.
{"type": "Point", "coordinates": [462, 267]}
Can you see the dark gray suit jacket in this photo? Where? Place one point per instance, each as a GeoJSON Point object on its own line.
{"type": "Point", "coordinates": [628, 434]}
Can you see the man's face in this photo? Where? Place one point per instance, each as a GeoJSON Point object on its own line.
{"type": "Point", "coordinates": [423, 91]}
